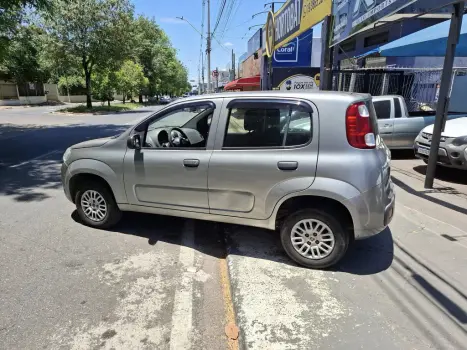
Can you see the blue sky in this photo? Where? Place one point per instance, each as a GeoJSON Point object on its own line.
{"type": "Point", "coordinates": [187, 41]}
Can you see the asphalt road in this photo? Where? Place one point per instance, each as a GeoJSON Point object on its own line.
{"type": "Point", "coordinates": [159, 283]}
{"type": "Point", "coordinates": [153, 282]}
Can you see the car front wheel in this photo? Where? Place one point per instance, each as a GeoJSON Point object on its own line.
{"type": "Point", "coordinates": [96, 206]}
{"type": "Point", "coordinates": [314, 238]}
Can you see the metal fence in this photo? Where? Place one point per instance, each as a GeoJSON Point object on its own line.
{"type": "Point", "coordinates": [419, 87]}
{"type": "Point", "coordinates": [31, 89]}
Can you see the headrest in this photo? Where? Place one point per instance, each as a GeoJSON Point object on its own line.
{"type": "Point", "coordinates": [254, 119]}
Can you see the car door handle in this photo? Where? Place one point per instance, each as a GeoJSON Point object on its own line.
{"type": "Point", "coordinates": [191, 163]}
{"type": "Point", "coordinates": [287, 165]}
{"type": "Point", "coordinates": [387, 125]}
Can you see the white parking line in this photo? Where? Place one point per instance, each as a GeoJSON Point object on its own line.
{"type": "Point", "coordinates": [180, 335]}
{"type": "Point", "coordinates": [35, 158]}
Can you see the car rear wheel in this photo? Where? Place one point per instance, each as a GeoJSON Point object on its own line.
{"type": "Point", "coordinates": [96, 206]}
{"type": "Point", "coordinates": [314, 238]}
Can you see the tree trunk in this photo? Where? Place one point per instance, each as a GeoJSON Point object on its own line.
{"type": "Point", "coordinates": [88, 89]}
{"type": "Point", "coordinates": [123, 98]}
{"type": "Point", "coordinates": [87, 74]}
{"type": "Point", "coordinates": [140, 98]}
{"type": "Point", "coordinates": [108, 103]}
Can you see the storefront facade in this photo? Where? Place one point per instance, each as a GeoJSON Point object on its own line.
{"type": "Point", "coordinates": [293, 56]}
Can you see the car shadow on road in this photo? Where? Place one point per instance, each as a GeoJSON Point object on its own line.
{"type": "Point", "coordinates": [456, 176]}
{"type": "Point", "coordinates": [366, 257]}
{"type": "Point", "coordinates": [30, 156]}
{"type": "Point", "coordinates": [397, 154]}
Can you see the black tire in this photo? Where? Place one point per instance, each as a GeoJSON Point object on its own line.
{"type": "Point", "coordinates": [341, 238]}
{"type": "Point", "coordinates": [113, 214]}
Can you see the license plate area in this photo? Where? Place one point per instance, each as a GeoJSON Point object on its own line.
{"type": "Point", "coordinates": [424, 151]}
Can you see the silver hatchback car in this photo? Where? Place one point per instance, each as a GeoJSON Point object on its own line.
{"type": "Point", "coordinates": [311, 165]}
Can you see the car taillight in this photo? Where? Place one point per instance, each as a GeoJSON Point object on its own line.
{"type": "Point", "coordinates": [360, 133]}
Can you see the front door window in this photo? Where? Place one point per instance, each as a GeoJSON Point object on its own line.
{"type": "Point", "coordinates": [187, 127]}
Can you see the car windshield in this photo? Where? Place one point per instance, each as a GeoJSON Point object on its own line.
{"type": "Point", "coordinates": [178, 118]}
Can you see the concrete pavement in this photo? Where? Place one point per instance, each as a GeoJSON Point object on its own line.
{"type": "Point", "coordinates": [402, 289]}
{"type": "Point", "coordinates": [155, 282]}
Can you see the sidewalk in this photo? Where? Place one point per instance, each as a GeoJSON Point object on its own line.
{"type": "Point", "coordinates": [402, 289]}
{"type": "Point", "coordinates": [446, 202]}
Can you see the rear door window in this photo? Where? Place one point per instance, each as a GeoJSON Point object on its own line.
{"type": "Point", "coordinates": [383, 109]}
{"type": "Point", "coordinates": [268, 126]}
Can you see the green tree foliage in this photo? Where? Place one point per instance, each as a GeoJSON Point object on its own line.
{"type": "Point", "coordinates": [11, 15]}
{"type": "Point", "coordinates": [130, 79]}
{"type": "Point", "coordinates": [68, 82]}
{"type": "Point", "coordinates": [95, 44]}
{"type": "Point", "coordinates": [95, 32]}
{"type": "Point", "coordinates": [104, 85]}
{"type": "Point", "coordinates": [22, 59]}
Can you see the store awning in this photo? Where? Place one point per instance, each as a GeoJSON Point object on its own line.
{"type": "Point", "coordinates": [431, 42]}
{"type": "Point", "coordinates": [240, 84]}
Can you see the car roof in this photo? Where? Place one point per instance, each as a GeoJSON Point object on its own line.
{"type": "Point", "coordinates": [311, 95]}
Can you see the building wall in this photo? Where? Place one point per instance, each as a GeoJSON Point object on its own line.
{"type": "Point", "coordinates": [76, 98]}
{"type": "Point", "coordinates": [32, 100]}
{"type": "Point", "coordinates": [24, 100]}
{"type": "Point", "coordinates": [396, 31]}
{"type": "Point", "coordinates": [251, 67]}
{"type": "Point", "coordinates": [8, 90]}
{"type": "Point", "coordinates": [51, 91]}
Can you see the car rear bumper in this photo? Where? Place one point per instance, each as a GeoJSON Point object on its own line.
{"type": "Point", "coordinates": [373, 210]}
{"type": "Point", "coordinates": [448, 154]}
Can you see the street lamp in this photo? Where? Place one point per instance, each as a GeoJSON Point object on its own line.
{"type": "Point", "coordinates": [272, 4]}
{"type": "Point", "coordinates": [208, 45]}
{"type": "Point", "coordinates": [256, 25]}
{"type": "Point", "coordinates": [256, 14]}
{"type": "Point", "coordinates": [192, 26]}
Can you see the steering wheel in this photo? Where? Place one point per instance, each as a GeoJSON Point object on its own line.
{"type": "Point", "coordinates": [178, 138]}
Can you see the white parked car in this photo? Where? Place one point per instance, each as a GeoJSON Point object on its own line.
{"type": "Point", "coordinates": [452, 148]}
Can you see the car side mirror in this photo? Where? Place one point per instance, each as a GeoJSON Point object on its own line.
{"type": "Point", "coordinates": [134, 142]}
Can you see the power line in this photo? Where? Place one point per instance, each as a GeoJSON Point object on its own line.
{"type": "Point", "coordinates": [232, 14]}
{"type": "Point", "coordinates": [219, 15]}
{"type": "Point", "coordinates": [229, 15]}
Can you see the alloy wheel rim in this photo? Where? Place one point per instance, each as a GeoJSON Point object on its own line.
{"type": "Point", "coordinates": [94, 205]}
{"type": "Point", "coordinates": [312, 239]}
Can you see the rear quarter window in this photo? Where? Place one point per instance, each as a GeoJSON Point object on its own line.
{"type": "Point", "coordinates": [397, 108]}
{"type": "Point", "coordinates": [382, 109]}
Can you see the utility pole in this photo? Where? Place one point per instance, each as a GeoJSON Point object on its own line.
{"type": "Point", "coordinates": [442, 107]}
{"type": "Point", "coordinates": [202, 71]}
{"type": "Point", "coordinates": [208, 46]}
{"type": "Point", "coordinates": [271, 58]}
{"type": "Point", "coordinates": [199, 81]}
{"type": "Point", "coordinates": [327, 56]}
{"type": "Point", "coordinates": [233, 65]}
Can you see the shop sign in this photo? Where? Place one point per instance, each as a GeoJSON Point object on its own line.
{"type": "Point", "coordinates": [270, 33]}
{"type": "Point", "coordinates": [299, 82]}
{"type": "Point", "coordinates": [296, 53]}
{"type": "Point", "coordinates": [297, 16]}
{"type": "Point", "coordinates": [350, 16]}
